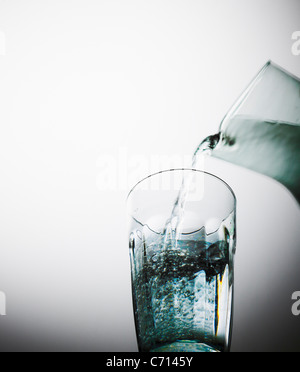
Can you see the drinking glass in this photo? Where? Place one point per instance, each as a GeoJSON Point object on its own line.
{"type": "Point", "coordinates": [182, 273]}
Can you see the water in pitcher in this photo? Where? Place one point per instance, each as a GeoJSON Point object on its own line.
{"type": "Point", "coordinates": [266, 146]}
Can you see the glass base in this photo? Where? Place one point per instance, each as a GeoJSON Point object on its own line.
{"type": "Point", "coordinates": [185, 346]}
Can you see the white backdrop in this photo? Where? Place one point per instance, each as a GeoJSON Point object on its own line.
{"type": "Point", "coordinates": [95, 95]}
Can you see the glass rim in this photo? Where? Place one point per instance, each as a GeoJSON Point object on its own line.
{"type": "Point", "coordinates": [184, 169]}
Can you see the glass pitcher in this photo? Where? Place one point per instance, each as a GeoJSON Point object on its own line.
{"type": "Point", "coordinates": [261, 131]}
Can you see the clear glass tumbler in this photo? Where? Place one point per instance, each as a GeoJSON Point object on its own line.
{"type": "Point", "coordinates": [182, 276]}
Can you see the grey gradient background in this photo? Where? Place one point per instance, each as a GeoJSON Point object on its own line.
{"type": "Point", "coordinates": [78, 81]}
